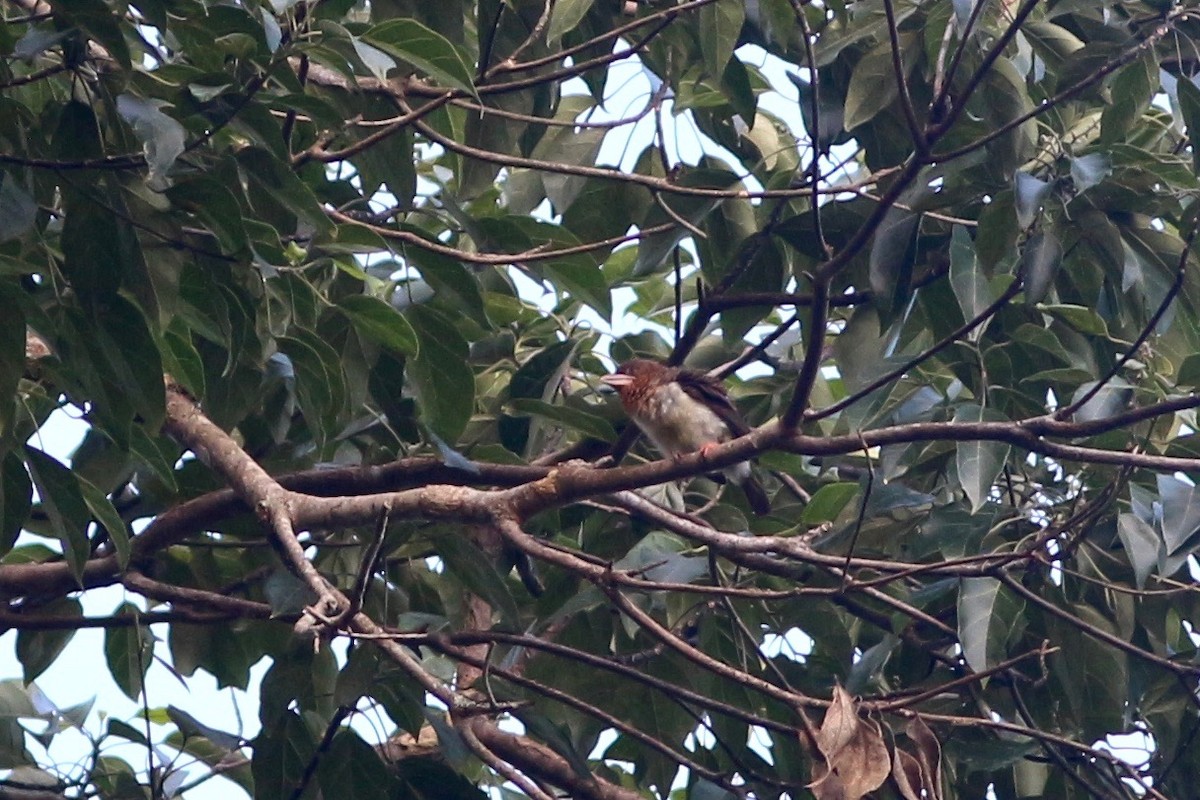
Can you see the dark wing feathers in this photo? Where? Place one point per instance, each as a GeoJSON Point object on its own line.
{"type": "Point", "coordinates": [711, 392]}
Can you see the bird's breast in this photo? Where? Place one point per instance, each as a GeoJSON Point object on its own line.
{"type": "Point", "coordinates": [678, 423]}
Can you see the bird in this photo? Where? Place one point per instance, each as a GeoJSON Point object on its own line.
{"type": "Point", "coordinates": [683, 411]}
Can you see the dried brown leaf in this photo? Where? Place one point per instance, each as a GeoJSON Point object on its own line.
{"type": "Point", "coordinates": [906, 772]}
{"type": "Point", "coordinates": [929, 755]}
{"type": "Point", "coordinates": [855, 756]}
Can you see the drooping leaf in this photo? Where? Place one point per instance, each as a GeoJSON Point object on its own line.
{"type": "Point", "coordinates": [1141, 543]}
{"type": "Point", "coordinates": [1040, 260]}
{"type": "Point", "coordinates": [163, 138]}
{"type": "Point", "coordinates": [319, 379]}
{"type": "Point", "coordinates": [132, 358]}
{"type": "Point", "coordinates": [440, 374]}
{"type": "Point", "coordinates": [1111, 399]}
{"type": "Point", "coordinates": [1029, 193]}
{"type": "Point", "coordinates": [980, 462]}
{"type": "Point", "coordinates": [987, 617]}
{"type": "Point", "coordinates": [477, 573]}
{"type": "Point", "coordinates": [106, 515]}
{"type": "Point", "coordinates": [828, 124]}
{"type": "Point", "coordinates": [20, 209]}
{"type": "Point", "coordinates": [1189, 107]}
{"type": "Point", "coordinates": [971, 286]}
{"type": "Point", "coordinates": [38, 649]}
{"type": "Point", "coordinates": [280, 755]}
{"type": "Point", "coordinates": [62, 499]}
{"type": "Point", "coordinates": [16, 500]}
{"type": "Point", "coordinates": [893, 253]}
{"type": "Point", "coordinates": [353, 770]}
{"type": "Point", "coordinates": [215, 206]}
{"type": "Point", "coordinates": [1089, 170]}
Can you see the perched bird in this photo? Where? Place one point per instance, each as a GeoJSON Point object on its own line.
{"type": "Point", "coordinates": [682, 412]}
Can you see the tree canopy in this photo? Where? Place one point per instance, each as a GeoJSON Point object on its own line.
{"type": "Point", "coordinates": [332, 285]}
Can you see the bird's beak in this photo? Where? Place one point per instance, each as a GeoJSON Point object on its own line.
{"type": "Point", "coordinates": [617, 380]}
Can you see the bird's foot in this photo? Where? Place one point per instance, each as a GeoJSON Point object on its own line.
{"type": "Point", "coordinates": [706, 449]}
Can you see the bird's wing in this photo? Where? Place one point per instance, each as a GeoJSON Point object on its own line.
{"type": "Point", "coordinates": [711, 392]}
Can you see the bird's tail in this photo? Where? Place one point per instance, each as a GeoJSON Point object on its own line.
{"type": "Point", "coordinates": [760, 503]}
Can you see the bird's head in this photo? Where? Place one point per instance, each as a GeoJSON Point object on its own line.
{"type": "Point", "coordinates": [634, 378]}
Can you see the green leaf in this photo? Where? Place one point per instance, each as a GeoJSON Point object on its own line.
{"type": "Point", "coordinates": [15, 701]}
{"type": "Point", "coordinates": [62, 499]}
{"type": "Point", "coordinates": [273, 188]}
{"type": "Point", "coordinates": [1087, 171]}
{"type": "Point", "coordinates": [828, 502]}
{"type": "Point", "coordinates": [971, 286]}
{"type": "Point", "coordinates": [320, 382]}
{"type": "Point", "coordinates": [893, 254]}
{"type": "Point", "coordinates": [1081, 318]}
{"type": "Point", "coordinates": [352, 769]}
{"type": "Point", "coordinates": [131, 354]}
{"type": "Point", "coordinates": [979, 463]}
{"type": "Point", "coordinates": [37, 650]}
{"type": "Point", "coordinates": [565, 16]}
{"type": "Point", "coordinates": [350, 238]}
{"type": "Point", "coordinates": [115, 778]}
{"type": "Point", "coordinates": [96, 248]}
{"type": "Point", "coordinates": [216, 208]}
{"type": "Point", "coordinates": [584, 280]}
{"type": "Point", "coordinates": [163, 138]}
{"type": "Point", "coordinates": [1180, 512]}
{"type": "Point", "coordinates": [452, 283]}
{"type": "Point", "coordinates": [426, 50]}
{"type": "Point", "coordinates": [122, 729]}
{"type": "Point", "coordinates": [1133, 88]}
{"type": "Point", "coordinates": [538, 379]}
{"type": "Point", "coordinates": [1040, 260]}
{"type": "Point", "coordinates": [1188, 373]}
{"type": "Point", "coordinates": [129, 650]}
{"type": "Point", "coordinates": [1189, 108]}
{"type": "Point", "coordinates": [1142, 544]}
{"type": "Point", "coordinates": [12, 352]}
{"type": "Point", "coordinates": [654, 249]}
{"type": "Point", "coordinates": [864, 671]}
{"type": "Point", "coordinates": [1029, 194]}
{"type": "Point", "coordinates": [16, 500]}
{"type": "Point", "coordinates": [589, 424]}
{"type": "Point", "coordinates": [189, 726]}
{"type": "Point", "coordinates": [20, 210]}
{"type": "Point", "coordinates": [477, 573]}
{"type": "Point", "coordinates": [720, 25]}
{"type": "Point", "coordinates": [281, 755]}
{"type": "Point", "coordinates": [873, 86]}
{"type": "Point", "coordinates": [441, 374]}
{"type": "Point", "coordinates": [830, 117]}
{"type": "Point", "coordinates": [104, 512]}
{"type": "Point", "coordinates": [987, 617]}
{"type": "Point", "coordinates": [1112, 398]}
{"type": "Point", "coordinates": [378, 322]}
